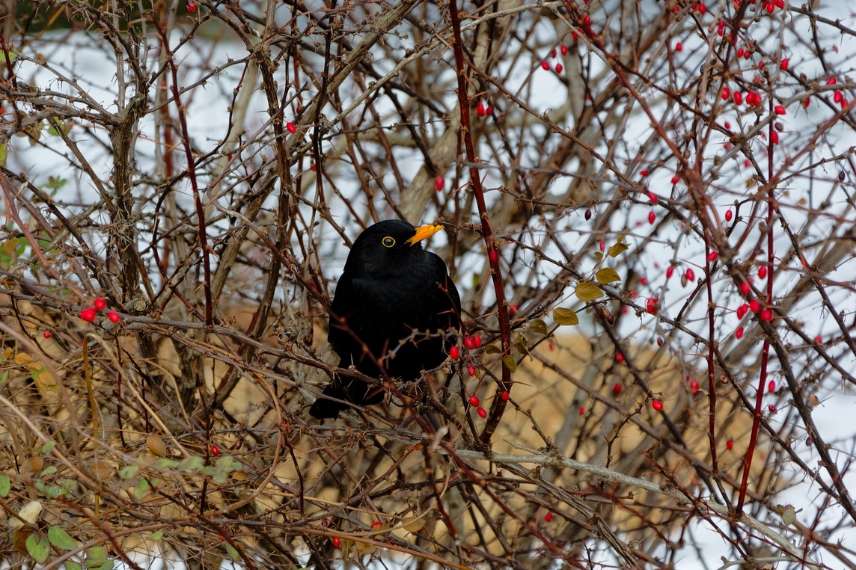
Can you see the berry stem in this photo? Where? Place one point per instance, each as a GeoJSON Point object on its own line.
{"type": "Point", "coordinates": [498, 404]}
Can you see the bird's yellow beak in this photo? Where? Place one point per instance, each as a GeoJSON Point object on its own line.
{"type": "Point", "coordinates": [424, 232]}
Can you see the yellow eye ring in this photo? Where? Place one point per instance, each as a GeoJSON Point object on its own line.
{"type": "Point", "coordinates": [388, 241]}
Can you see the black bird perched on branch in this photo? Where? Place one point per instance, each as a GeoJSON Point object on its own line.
{"type": "Point", "coordinates": [395, 310]}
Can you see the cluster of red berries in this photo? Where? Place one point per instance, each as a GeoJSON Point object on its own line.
{"type": "Point", "coordinates": [472, 342]}
{"type": "Point", "coordinates": [483, 109]}
{"type": "Point", "coordinates": [89, 314]}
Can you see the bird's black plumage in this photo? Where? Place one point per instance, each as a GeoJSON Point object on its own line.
{"type": "Point", "coordinates": [395, 310]}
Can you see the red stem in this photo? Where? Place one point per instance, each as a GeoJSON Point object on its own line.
{"type": "Point", "coordinates": [765, 352]}
{"type": "Point", "coordinates": [498, 405]}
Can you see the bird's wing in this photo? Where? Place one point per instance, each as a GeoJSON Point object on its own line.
{"type": "Point", "coordinates": [447, 294]}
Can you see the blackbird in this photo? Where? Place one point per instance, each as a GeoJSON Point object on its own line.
{"type": "Point", "coordinates": [396, 310]}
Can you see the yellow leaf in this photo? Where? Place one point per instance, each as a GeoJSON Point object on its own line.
{"type": "Point", "coordinates": [617, 249]}
{"type": "Point", "coordinates": [564, 316]}
{"type": "Point", "coordinates": [509, 362]}
{"type": "Point", "coordinates": [588, 291]}
{"type": "Point", "coordinates": [155, 445]}
{"type": "Point", "coordinates": [607, 275]}
{"type": "Point", "coordinates": [538, 326]}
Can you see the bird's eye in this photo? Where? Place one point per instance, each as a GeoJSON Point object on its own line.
{"type": "Point", "coordinates": [388, 241]}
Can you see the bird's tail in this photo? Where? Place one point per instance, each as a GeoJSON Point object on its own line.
{"type": "Point", "coordinates": [324, 408]}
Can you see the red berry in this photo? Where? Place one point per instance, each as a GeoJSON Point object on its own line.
{"type": "Point", "coordinates": [559, 68]}
{"type": "Point", "coordinates": [616, 389]}
{"type": "Point", "coordinates": [694, 386]}
{"type": "Point", "coordinates": [831, 80]}
{"type": "Point", "coordinates": [601, 245]}
{"type": "Point", "coordinates": [545, 65]}
{"type": "Point", "coordinates": [675, 179]}
{"type": "Point", "coordinates": [471, 370]}
{"type": "Point", "coordinates": [619, 357]}
{"type": "Point", "coordinates": [670, 270]}
{"type": "Point", "coordinates": [553, 52]}
{"type": "Point", "coordinates": [762, 272]}
{"type": "Point", "coordinates": [754, 306]}
{"type": "Point", "coordinates": [581, 410]}
{"type": "Point", "coordinates": [712, 256]}
{"type": "Point", "coordinates": [774, 137]}
{"type": "Point", "coordinates": [728, 215]}
{"type": "Point", "coordinates": [337, 542]}
{"type": "Point", "coordinates": [769, 7]}
{"type": "Point", "coordinates": [482, 412]}
{"type": "Point", "coordinates": [767, 315]}
{"type": "Point", "coordinates": [454, 353]}
{"type": "Point", "coordinates": [652, 198]}
{"type": "Point", "coordinates": [745, 288]}
{"type": "Point", "coordinates": [818, 340]}
{"type": "Point", "coordinates": [492, 255]}
{"type": "Point", "coordinates": [474, 400]}
{"type": "Point", "coordinates": [439, 183]}
{"type": "Point", "coordinates": [779, 109]}
{"type": "Point", "coordinates": [725, 93]}
{"type": "Point", "coordinates": [291, 127]}
{"type": "Point", "coordinates": [837, 96]}
{"type": "Point", "coordinates": [644, 172]}
{"type": "Point", "coordinates": [100, 304]}
{"type": "Point", "coordinates": [657, 405]}
{"type": "Point", "coordinates": [376, 524]}
{"type": "Point", "coordinates": [773, 408]}
{"type": "Point", "coordinates": [771, 386]}
{"type": "Point", "coordinates": [481, 110]}
{"type": "Point", "coordinates": [477, 340]}
{"type": "Point", "coordinates": [191, 7]}
{"type": "Point", "coordinates": [690, 274]}
{"type": "Point", "coordinates": [512, 309]}
{"type": "Point", "coordinates": [737, 97]}
{"type": "Point", "coordinates": [739, 332]}
{"type": "Point", "coordinates": [806, 102]}
{"type": "Point", "coordinates": [548, 517]}
{"type": "Point", "coordinates": [652, 217]}
{"type": "Point", "coordinates": [729, 445]}
{"type": "Point", "coordinates": [564, 49]}
{"type": "Point", "coordinates": [215, 450]}
{"type": "Point", "coordinates": [739, 54]}
{"type": "Point", "coordinates": [114, 317]}
{"type": "Point", "coordinates": [742, 310]}
{"type": "Point", "coordinates": [505, 395]}
{"type": "Point", "coordinates": [88, 314]}
{"type": "Point", "coordinates": [783, 64]}
{"type": "Point", "coordinates": [679, 47]}
{"type": "Point", "coordinates": [651, 305]}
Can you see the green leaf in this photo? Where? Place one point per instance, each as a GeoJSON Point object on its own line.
{"type": "Point", "coordinates": [56, 182]}
{"type": "Point", "coordinates": [38, 547]}
{"type": "Point", "coordinates": [61, 539]}
{"type": "Point", "coordinates": [156, 536]}
{"type": "Point", "coordinates": [789, 514]}
{"type": "Point", "coordinates": [52, 491]}
{"type": "Point", "coordinates": [7, 56]}
{"type": "Point", "coordinates": [96, 556]}
{"type": "Point", "coordinates": [564, 316]}
{"type": "Point", "coordinates": [233, 554]}
{"type": "Point", "coordinates": [107, 565]}
{"type": "Point", "coordinates": [72, 565]}
{"type": "Point", "coordinates": [617, 249]}
{"type": "Point", "coordinates": [607, 275]}
{"type": "Point", "coordinates": [588, 291]}
{"type": "Point", "coordinates": [228, 463]}
{"type": "Point", "coordinates": [48, 471]}
{"type": "Point", "coordinates": [128, 471]}
{"type": "Point", "coordinates": [166, 463]}
{"type": "Point", "coordinates": [3, 154]}
{"type": "Point", "coordinates": [5, 485]}
{"type": "Point", "coordinates": [142, 489]}
{"type": "Point", "coordinates": [509, 362]}
{"type": "Point", "coordinates": [191, 463]}
{"type": "Point", "coordinates": [47, 448]}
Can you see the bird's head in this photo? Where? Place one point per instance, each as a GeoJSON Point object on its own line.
{"type": "Point", "coordinates": [385, 247]}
